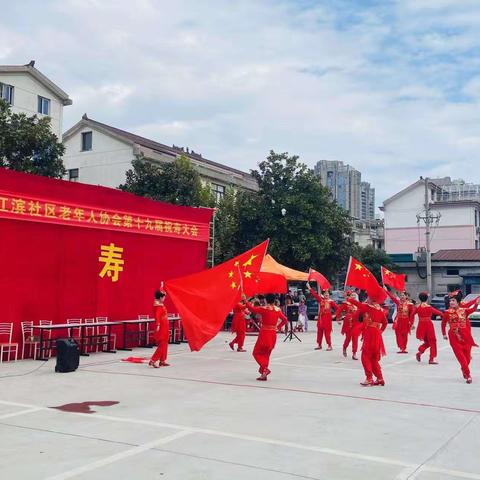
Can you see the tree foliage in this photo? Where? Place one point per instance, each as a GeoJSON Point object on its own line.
{"type": "Point", "coordinates": [175, 182]}
{"type": "Point", "coordinates": [27, 144]}
{"type": "Point", "coordinates": [313, 232]}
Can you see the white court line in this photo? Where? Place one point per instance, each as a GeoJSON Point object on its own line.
{"type": "Point", "coordinates": [250, 438]}
{"type": "Point", "coordinates": [22, 412]}
{"type": "Point", "coordinates": [120, 456]}
{"type": "Point", "coordinates": [410, 359]}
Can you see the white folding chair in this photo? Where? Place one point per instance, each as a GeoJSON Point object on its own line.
{"type": "Point", "coordinates": [102, 332]}
{"type": "Point", "coordinates": [74, 332]}
{"type": "Point", "coordinates": [91, 331]}
{"type": "Point", "coordinates": [47, 337]}
{"type": "Point", "coordinates": [174, 331]}
{"type": "Point", "coordinates": [29, 339]}
{"type": "Point", "coordinates": [6, 344]}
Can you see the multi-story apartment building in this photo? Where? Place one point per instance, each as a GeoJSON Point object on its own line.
{"type": "Point", "coordinates": [344, 184]}
{"type": "Point", "coordinates": [100, 154]}
{"type": "Point", "coordinates": [29, 91]}
{"type": "Point", "coordinates": [367, 202]}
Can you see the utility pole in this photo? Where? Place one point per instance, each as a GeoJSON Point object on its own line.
{"type": "Point", "coordinates": [429, 218]}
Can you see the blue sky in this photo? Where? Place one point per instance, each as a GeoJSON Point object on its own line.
{"type": "Point", "coordinates": [390, 87]}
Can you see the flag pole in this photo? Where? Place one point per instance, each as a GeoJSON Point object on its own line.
{"type": "Point", "coordinates": [346, 276]}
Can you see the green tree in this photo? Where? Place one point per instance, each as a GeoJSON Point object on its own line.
{"type": "Point", "coordinates": [175, 182]}
{"type": "Point", "coordinates": [291, 208]}
{"type": "Point", "coordinates": [27, 144]}
{"type": "Point", "coordinates": [373, 259]}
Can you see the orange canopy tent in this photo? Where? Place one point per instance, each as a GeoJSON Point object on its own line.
{"type": "Point", "coordinates": [272, 266]}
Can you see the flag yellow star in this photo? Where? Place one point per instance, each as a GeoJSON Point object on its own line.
{"type": "Point", "coordinates": [233, 285]}
{"type": "Point", "coordinates": [230, 274]}
{"type": "Point", "coordinates": [236, 264]}
{"type": "Point", "coordinates": [358, 266]}
{"type": "Point", "coordinates": [249, 261]}
{"type": "Point", "coordinates": [247, 274]}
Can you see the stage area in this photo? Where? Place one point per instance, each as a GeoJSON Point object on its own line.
{"type": "Point", "coordinates": [205, 417]}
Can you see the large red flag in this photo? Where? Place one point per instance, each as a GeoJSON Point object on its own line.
{"type": "Point", "coordinates": [266, 282]}
{"type": "Point", "coordinates": [322, 282]}
{"type": "Point", "coordinates": [394, 280]}
{"type": "Point", "coordinates": [204, 299]}
{"type": "Point", "coordinates": [359, 276]}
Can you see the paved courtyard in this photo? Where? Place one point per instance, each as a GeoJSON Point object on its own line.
{"type": "Point", "coordinates": [205, 417]}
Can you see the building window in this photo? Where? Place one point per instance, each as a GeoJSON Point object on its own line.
{"type": "Point", "coordinates": [6, 93]}
{"type": "Point", "coordinates": [452, 271]}
{"type": "Point", "coordinates": [73, 175]}
{"type": "Point", "coordinates": [218, 191]}
{"type": "Point", "coordinates": [43, 105]}
{"type": "Point", "coordinates": [86, 141]}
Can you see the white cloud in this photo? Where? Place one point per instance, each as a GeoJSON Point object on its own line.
{"type": "Point", "coordinates": [392, 90]}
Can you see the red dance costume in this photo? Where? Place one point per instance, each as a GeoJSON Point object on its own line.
{"type": "Point", "coordinates": [239, 325]}
{"type": "Point", "coordinates": [324, 322]}
{"type": "Point", "coordinates": [162, 333]}
{"type": "Point", "coordinates": [403, 321]}
{"type": "Point", "coordinates": [268, 334]}
{"type": "Point", "coordinates": [351, 327]}
{"type": "Point", "coordinates": [374, 323]}
{"type": "Point", "coordinates": [460, 335]}
{"type": "Point", "coordinates": [426, 330]}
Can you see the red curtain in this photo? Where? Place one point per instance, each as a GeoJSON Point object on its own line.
{"type": "Point", "coordinates": [51, 272]}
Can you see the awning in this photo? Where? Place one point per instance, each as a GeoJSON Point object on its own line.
{"type": "Point", "coordinates": [272, 266]}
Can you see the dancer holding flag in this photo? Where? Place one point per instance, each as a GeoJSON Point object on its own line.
{"type": "Point", "coordinates": [404, 320]}
{"type": "Point", "coordinates": [267, 337]}
{"type": "Point", "coordinates": [351, 327]}
{"type": "Point", "coordinates": [324, 320]}
{"type": "Point", "coordinates": [425, 328]}
{"type": "Point", "coordinates": [460, 333]}
{"type": "Point", "coordinates": [239, 325]}
{"type": "Point", "coordinates": [162, 331]}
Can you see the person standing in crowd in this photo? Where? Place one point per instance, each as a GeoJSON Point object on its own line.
{"type": "Point", "coordinates": [162, 331]}
{"type": "Point", "coordinates": [374, 324]}
{"type": "Point", "coordinates": [302, 316]}
{"type": "Point", "coordinates": [404, 319]}
{"type": "Point", "coordinates": [267, 337]}
{"type": "Point", "coordinates": [351, 326]}
{"type": "Point", "coordinates": [324, 321]}
{"type": "Point", "coordinates": [460, 333]}
{"type": "Point", "coordinates": [425, 328]}
{"type": "Point", "coordinates": [239, 325]}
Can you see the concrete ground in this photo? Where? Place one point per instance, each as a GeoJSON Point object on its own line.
{"type": "Point", "coordinates": [206, 417]}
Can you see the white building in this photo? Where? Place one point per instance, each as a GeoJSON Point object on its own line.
{"type": "Point", "coordinates": [30, 92]}
{"type": "Point", "coordinates": [100, 154]}
{"type": "Point", "coordinates": [458, 226]}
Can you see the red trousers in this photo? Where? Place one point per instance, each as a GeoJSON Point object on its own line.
{"type": "Point", "coordinates": [463, 352]}
{"type": "Point", "coordinates": [351, 335]}
{"type": "Point", "coordinates": [263, 348]}
{"type": "Point", "coordinates": [161, 351]}
{"type": "Point", "coordinates": [324, 328]}
{"type": "Point", "coordinates": [402, 339]}
{"type": "Point", "coordinates": [371, 365]}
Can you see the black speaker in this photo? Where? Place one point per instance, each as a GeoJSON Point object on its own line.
{"type": "Point", "coordinates": [292, 313]}
{"type": "Point", "coordinates": [68, 356]}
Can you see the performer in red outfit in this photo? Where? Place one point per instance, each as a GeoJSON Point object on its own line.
{"type": "Point", "coordinates": [324, 321]}
{"type": "Point", "coordinates": [374, 323]}
{"type": "Point", "coordinates": [425, 328]}
{"type": "Point", "coordinates": [161, 331]}
{"type": "Point", "coordinates": [268, 333]}
{"type": "Point", "coordinates": [460, 334]}
{"type": "Point", "coordinates": [239, 325]}
{"type": "Point", "coordinates": [351, 327]}
{"type": "Point", "coordinates": [403, 320]}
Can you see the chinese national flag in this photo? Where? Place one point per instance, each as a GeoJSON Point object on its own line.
{"type": "Point", "coordinates": [394, 280]}
{"type": "Point", "coordinates": [322, 282]}
{"type": "Point", "coordinates": [204, 299]}
{"type": "Point", "coordinates": [359, 276]}
{"type": "Point", "coordinates": [266, 282]}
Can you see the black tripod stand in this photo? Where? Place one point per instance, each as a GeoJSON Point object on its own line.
{"type": "Point", "coordinates": [292, 315]}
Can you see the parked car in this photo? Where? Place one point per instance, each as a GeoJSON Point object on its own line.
{"type": "Point", "coordinates": [475, 316]}
{"type": "Point", "coordinates": [338, 296]}
{"type": "Point", "coordinates": [312, 306]}
{"type": "Point", "coordinates": [391, 309]}
{"type": "Point", "coordinates": [438, 301]}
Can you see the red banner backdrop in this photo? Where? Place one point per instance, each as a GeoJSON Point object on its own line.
{"type": "Point", "coordinates": [54, 270]}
